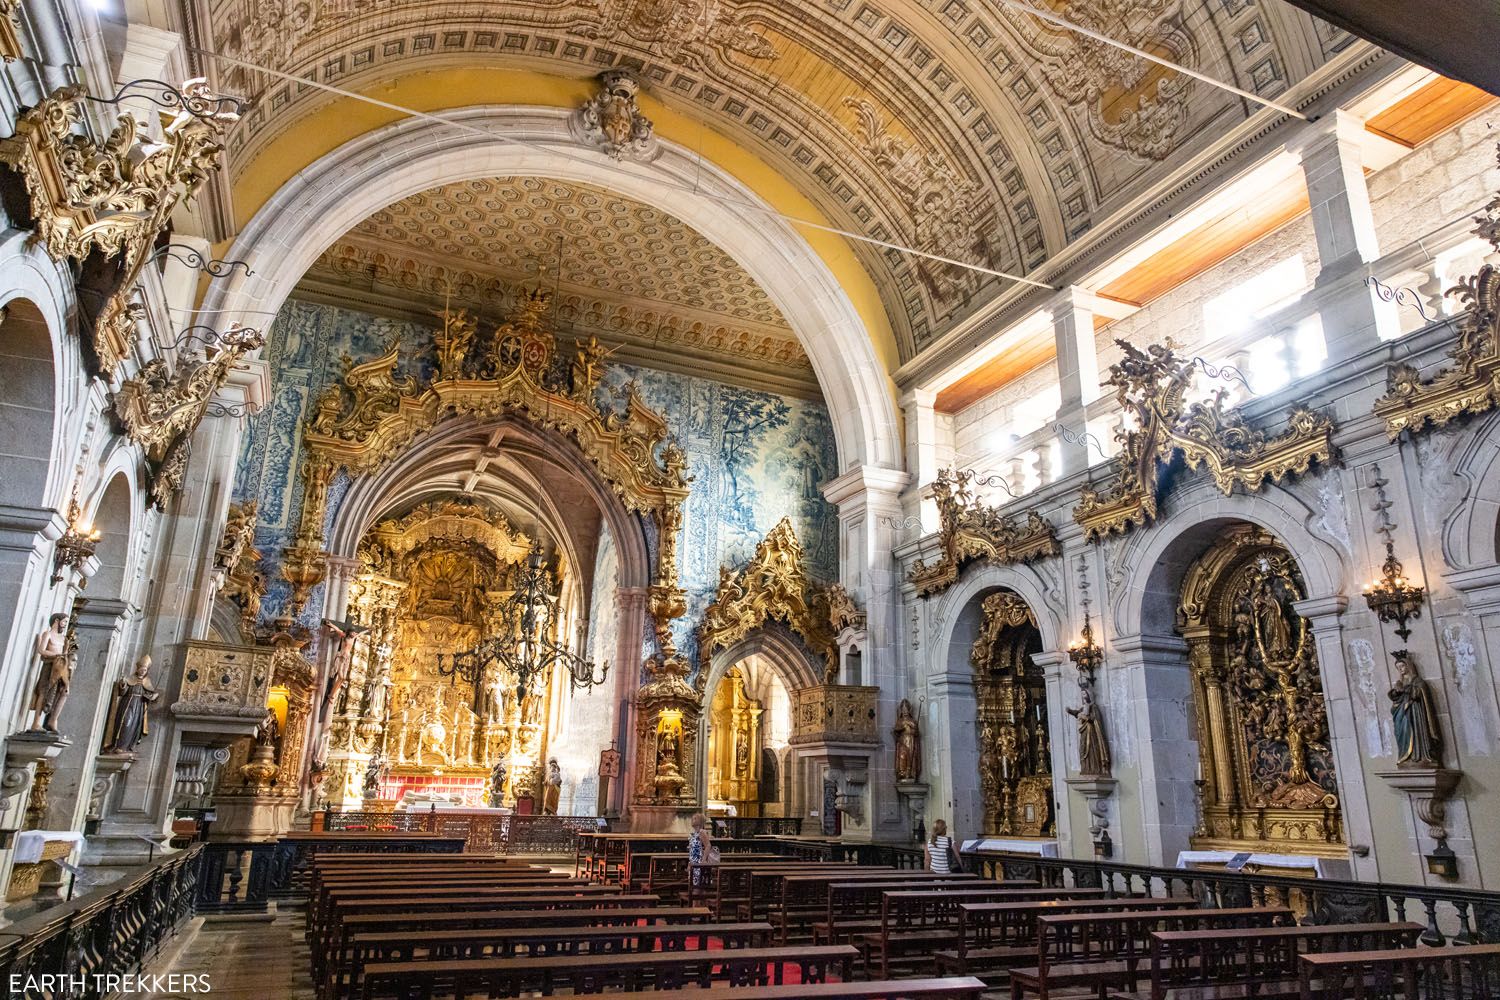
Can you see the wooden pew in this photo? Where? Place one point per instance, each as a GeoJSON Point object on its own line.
{"type": "Point", "coordinates": [1462, 972]}
{"type": "Point", "coordinates": [805, 898]}
{"type": "Point", "coordinates": [319, 908]}
{"type": "Point", "coordinates": [1103, 951]}
{"type": "Point", "coordinates": [766, 887]}
{"type": "Point", "coordinates": [854, 908]}
{"type": "Point", "coordinates": [1210, 965]}
{"type": "Point", "coordinates": [994, 936]}
{"type": "Point", "coordinates": [322, 937]}
{"type": "Point", "coordinates": [964, 988]}
{"type": "Point", "coordinates": [340, 944]}
{"type": "Point", "coordinates": [920, 919]}
{"type": "Point", "coordinates": [511, 977]}
{"type": "Point", "coordinates": [726, 886]}
{"type": "Point", "coordinates": [536, 942]}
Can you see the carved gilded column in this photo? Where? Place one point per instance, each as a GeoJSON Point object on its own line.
{"type": "Point", "coordinates": [1213, 726]}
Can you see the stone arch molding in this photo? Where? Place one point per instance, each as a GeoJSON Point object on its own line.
{"type": "Point", "coordinates": [1024, 580]}
{"type": "Point", "coordinates": [1470, 530]}
{"type": "Point", "coordinates": [1275, 509]}
{"type": "Point", "coordinates": [341, 189]}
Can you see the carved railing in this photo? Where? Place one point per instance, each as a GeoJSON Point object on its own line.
{"type": "Point", "coordinates": [224, 682]}
{"type": "Point", "coordinates": [757, 826]}
{"type": "Point", "coordinates": [112, 930]}
{"type": "Point", "coordinates": [482, 833]}
{"type": "Point", "coordinates": [835, 713]}
{"type": "Point", "coordinates": [885, 855]}
{"type": "Point", "coordinates": [1462, 916]}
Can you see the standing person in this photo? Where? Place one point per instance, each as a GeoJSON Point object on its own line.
{"type": "Point", "coordinates": [701, 851]}
{"type": "Point", "coordinates": [941, 856]}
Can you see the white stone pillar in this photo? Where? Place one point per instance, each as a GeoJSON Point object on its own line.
{"type": "Point", "coordinates": [951, 748]}
{"type": "Point", "coordinates": [1160, 685]}
{"type": "Point", "coordinates": [1344, 228]}
{"type": "Point", "coordinates": [630, 637]}
{"type": "Point", "coordinates": [1077, 373]}
{"type": "Point", "coordinates": [1057, 671]}
{"type": "Point", "coordinates": [869, 503]}
{"type": "Point", "coordinates": [26, 538]}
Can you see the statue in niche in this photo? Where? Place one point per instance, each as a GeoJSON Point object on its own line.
{"type": "Point", "coordinates": [1093, 749]}
{"type": "Point", "coordinates": [128, 714]}
{"type": "Point", "coordinates": [55, 651]}
{"type": "Point", "coordinates": [666, 751]}
{"type": "Point", "coordinates": [531, 708]}
{"type": "Point", "coordinates": [1418, 739]}
{"type": "Point", "coordinates": [552, 788]}
{"type": "Point", "coordinates": [497, 784]}
{"type": "Point", "coordinates": [742, 752]}
{"type": "Point", "coordinates": [374, 775]}
{"type": "Point", "coordinates": [345, 633]}
{"type": "Point", "coordinates": [908, 744]}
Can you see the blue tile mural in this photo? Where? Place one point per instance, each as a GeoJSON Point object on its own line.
{"type": "Point", "coordinates": [754, 456]}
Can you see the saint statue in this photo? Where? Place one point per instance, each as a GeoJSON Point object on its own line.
{"type": "Point", "coordinates": [338, 672]}
{"type": "Point", "coordinates": [58, 659]}
{"type": "Point", "coordinates": [1418, 739]}
{"type": "Point", "coordinates": [552, 789]}
{"type": "Point", "coordinates": [1093, 749]}
{"type": "Point", "coordinates": [666, 752]}
{"type": "Point", "coordinates": [908, 744]}
{"type": "Point", "coordinates": [374, 775]}
{"type": "Point", "coordinates": [128, 714]}
{"type": "Point", "coordinates": [497, 784]}
{"type": "Point", "coordinates": [742, 753]}
{"type": "Point", "coordinates": [1275, 634]}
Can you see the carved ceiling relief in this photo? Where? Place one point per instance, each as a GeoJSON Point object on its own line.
{"type": "Point", "coordinates": [763, 75]}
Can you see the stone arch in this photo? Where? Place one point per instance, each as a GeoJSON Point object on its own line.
{"type": "Point", "coordinates": [29, 408]}
{"type": "Point", "coordinates": [977, 583]}
{"type": "Point", "coordinates": [329, 198]}
{"type": "Point", "coordinates": [792, 662]}
{"type": "Point", "coordinates": [1470, 533]}
{"type": "Point", "coordinates": [1159, 703]}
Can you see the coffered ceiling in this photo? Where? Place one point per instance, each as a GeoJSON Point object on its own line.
{"type": "Point", "coordinates": [636, 277]}
{"type": "Point", "coordinates": [965, 128]}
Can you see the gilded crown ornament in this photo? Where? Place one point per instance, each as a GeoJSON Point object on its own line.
{"type": "Point", "coordinates": [1151, 387]}
{"type": "Point", "coordinates": [115, 196]}
{"type": "Point", "coordinates": [971, 530]}
{"type": "Point", "coordinates": [162, 407]}
{"type": "Point", "coordinates": [772, 587]}
{"type": "Point", "coordinates": [1471, 384]}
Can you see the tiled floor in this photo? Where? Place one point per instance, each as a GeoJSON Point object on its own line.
{"type": "Point", "coordinates": [246, 960]}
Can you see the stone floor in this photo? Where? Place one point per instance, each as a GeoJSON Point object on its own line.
{"type": "Point", "coordinates": [245, 959]}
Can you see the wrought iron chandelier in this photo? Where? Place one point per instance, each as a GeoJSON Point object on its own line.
{"type": "Point", "coordinates": [522, 642]}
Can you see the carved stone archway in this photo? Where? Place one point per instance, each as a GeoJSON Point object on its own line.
{"type": "Point", "coordinates": [1011, 720]}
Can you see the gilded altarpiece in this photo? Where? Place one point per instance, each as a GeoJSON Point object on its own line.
{"type": "Point", "coordinates": [1267, 766]}
{"type": "Point", "coordinates": [734, 745]}
{"type": "Point", "coordinates": [1015, 756]}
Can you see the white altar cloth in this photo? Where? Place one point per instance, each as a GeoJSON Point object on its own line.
{"type": "Point", "coordinates": [29, 843]}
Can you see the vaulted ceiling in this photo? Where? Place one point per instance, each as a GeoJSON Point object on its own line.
{"type": "Point", "coordinates": [965, 128]}
{"type": "Point", "coordinates": [638, 278]}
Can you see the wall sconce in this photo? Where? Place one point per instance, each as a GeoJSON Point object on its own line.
{"type": "Point", "coordinates": [1393, 598]}
{"type": "Point", "coordinates": [1442, 862]}
{"type": "Point", "coordinates": [76, 544]}
{"type": "Point", "coordinates": [1084, 651]}
{"type": "Point", "coordinates": [1104, 847]}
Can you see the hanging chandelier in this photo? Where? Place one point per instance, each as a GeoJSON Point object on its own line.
{"type": "Point", "coordinates": [522, 643]}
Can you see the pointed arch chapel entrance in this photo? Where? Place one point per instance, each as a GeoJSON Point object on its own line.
{"type": "Point", "coordinates": [1262, 722]}
{"type": "Point", "coordinates": [1015, 747]}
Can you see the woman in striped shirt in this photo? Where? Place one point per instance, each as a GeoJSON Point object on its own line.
{"type": "Point", "coordinates": [939, 849]}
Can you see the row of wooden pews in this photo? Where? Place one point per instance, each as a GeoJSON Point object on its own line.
{"type": "Point", "coordinates": [413, 928]}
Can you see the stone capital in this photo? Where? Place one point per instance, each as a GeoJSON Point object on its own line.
{"type": "Point", "coordinates": [867, 484]}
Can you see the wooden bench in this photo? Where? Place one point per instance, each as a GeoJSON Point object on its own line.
{"type": "Point", "coordinates": [964, 988]}
{"type": "Point", "coordinates": [766, 887]}
{"type": "Point", "coordinates": [855, 908]}
{"type": "Point", "coordinates": [321, 909]}
{"type": "Point", "coordinates": [375, 923]}
{"type": "Point", "coordinates": [806, 898]}
{"type": "Point", "coordinates": [1258, 961]}
{"type": "Point", "coordinates": [995, 936]}
{"type": "Point", "coordinates": [1100, 952]}
{"type": "Point", "coordinates": [511, 977]}
{"type": "Point", "coordinates": [726, 886]}
{"type": "Point", "coordinates": [1462, 972]}
{"type": "Point", "coordinates": [920, 919]}
{"type": "Point", "coordinates": [536, 942]}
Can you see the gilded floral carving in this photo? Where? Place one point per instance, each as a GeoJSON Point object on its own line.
{"type": "Point", "coordinates": [970, 530]}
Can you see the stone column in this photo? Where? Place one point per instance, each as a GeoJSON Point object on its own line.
{"type": "Point", "coordinates": [100, 625]}
{"type": "Point", "coordinates": [178, 608]}
{"type": "Point", "coordinates": [929, 447]}
{"type": "Point", "coordinates": [869, 503]}
{"type": "Point", "coordinates": [1344, 228]}
{"type": "Point", "coordinates": [629, 637]}
{"type": "Point", "coordinates": [26, 537]}
{"type": "Point", "coordinates": [1057, 669]}
{"type": "Point", "coordinates": [1077, 374]}
{"type": "Point", "coordinates": [1160, 687]}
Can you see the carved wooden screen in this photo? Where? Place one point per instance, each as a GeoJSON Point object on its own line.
{"type": "Point", "coordinates": [1014, 744]}
{"type": "Point", "coordinates": [1262, 722]}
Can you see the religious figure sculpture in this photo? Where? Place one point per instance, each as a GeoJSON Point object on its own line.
{"type": "Point", "coordinates": [666, 752]}
{"type": "Point", "coordinates": [132, 696]}
{"type": "Point", "coordinates": [742, 753]}
{"type": "Point", "coordinates": [552, 788]}
{"type": "Point", "coordinates": [1418, 740]}
{"type": "Point", "coordinates": [52, 648]}
{"type": "Point", "coordinates": [374, 775]}
{"type": "Point", "coordinates": [497, 784]}
{"type": "Point", "coordinates": [338, 673]}
{"type": "Point", "coordinates": [908, 744]}
{"type": "Point", "coordinates": [1093, 748]}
